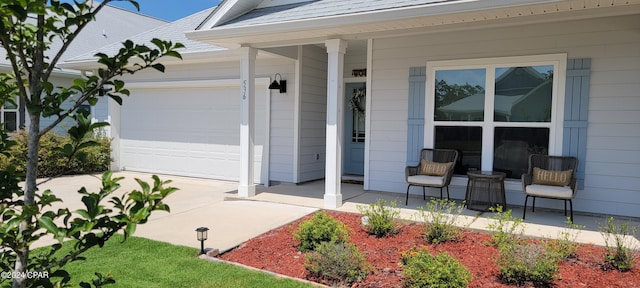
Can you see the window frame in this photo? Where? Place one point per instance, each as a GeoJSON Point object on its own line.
{"type": "Point", "coordinates": [16, 110]}
{"type": "Point", "coordinates": [488, 125]}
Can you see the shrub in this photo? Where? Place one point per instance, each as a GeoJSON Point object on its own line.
{"type": "Point", "coordinates": [52, 162]}
{"type": "Point", "coordinates": [564, 245]}
{"type": "Point", "coordinates": [423, 270]}
{"type": "Point", "coordinates": [440, 219]}
{"type": "Point", "coordinates": [619, 241]}
{"type": "Point", "coordinates": [320, 228]}
{"type": "Point", "coordinates": [339, 263]}
{"type": "Point", "coordinates": [381, 218]}
{"type": "Point", "coordinates": [521, 262]}
{"type": "Point", "coordinates": [505, 229]}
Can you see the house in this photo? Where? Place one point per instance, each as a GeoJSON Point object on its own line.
{"type": "Point", "coordinates": [101, 32]}
{"type": "Point", "coordinates": [557, 76]}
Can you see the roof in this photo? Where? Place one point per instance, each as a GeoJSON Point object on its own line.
{"type": "Point", "coordinates": [174, 31]}
{"type": "Point", "coordinates": [270, 23]}
{"type": "Point", "coordinates": [319, 9]}
{"type": "Point", "coordinates": [112, 24]}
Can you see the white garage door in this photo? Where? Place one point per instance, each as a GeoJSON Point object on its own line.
{"type": "Point", "coordinates": [189, 131]}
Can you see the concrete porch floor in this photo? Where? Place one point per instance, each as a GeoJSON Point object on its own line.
{"type": "Point", "coordinates": [543, 222]}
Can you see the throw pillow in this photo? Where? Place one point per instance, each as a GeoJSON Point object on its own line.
{"type": "Point", "coordinates": [434, 168]}
{"type": "Point", "coordinates": [549, 177]}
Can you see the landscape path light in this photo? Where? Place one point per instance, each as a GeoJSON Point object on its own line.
{"type": "Point", "coordinates": [202, 235]}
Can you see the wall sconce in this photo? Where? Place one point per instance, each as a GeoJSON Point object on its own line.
{"type": "Point", "coordinates": [280, 85]}
{"type": "Point", "coordinates": [202, 235]}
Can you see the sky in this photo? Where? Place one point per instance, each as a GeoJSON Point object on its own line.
{"type": "Point", "coordinates": [169, 10]}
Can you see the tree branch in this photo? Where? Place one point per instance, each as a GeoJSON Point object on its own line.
{"type": "Point", "coordinates": [69, 39]}
{"type": "Point", "coordinates": [14, 65]}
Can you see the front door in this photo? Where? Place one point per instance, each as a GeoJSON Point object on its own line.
{"type": "Point", "coordinates": [354, 133]}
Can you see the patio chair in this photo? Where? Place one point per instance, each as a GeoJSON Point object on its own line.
{"type": "Point", "coordinates": [434, 170]}
{"type": "Point", "coordinates": [551, 177]}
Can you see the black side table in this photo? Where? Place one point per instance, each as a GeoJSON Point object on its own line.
{"type": "Point", "coordinates": [485, 189]}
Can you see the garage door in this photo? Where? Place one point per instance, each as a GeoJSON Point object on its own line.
{"type": "Point", "coordinates": [189, 131]}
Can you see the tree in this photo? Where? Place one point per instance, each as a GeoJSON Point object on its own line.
{"type": "Point", "coordinates": [447, 94]}
{"type": "Point", "coordinates": [27, 30]}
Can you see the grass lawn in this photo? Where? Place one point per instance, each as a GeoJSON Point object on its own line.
{"type": "Point", "coordinates": [141, 262]}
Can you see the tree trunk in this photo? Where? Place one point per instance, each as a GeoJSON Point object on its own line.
{"type": "Point", "coordinates": [33, 145]}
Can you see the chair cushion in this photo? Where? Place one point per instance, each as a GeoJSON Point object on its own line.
{"type": "Point", "coordinates": [426, 180]}
{"type": "Point", "coordinates": [549, 177]}
{"type": "Point", "coordinates": [434, 168]}
{"type": "Point", "coordinates": [564, 192]}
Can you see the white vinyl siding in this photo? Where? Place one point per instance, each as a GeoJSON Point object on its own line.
{"type": "Point", "coordinates": [613, 143]}
{"type": "Point", "coordinates": [313, 113]}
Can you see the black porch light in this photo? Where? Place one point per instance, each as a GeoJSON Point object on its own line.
{"type": "Point", "coordinates": [278, 84]}
{"type": "Point", "coordinates": [202, 235]}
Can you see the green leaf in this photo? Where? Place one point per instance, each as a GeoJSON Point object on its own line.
{"type": "Point", "coordinates": [83, 213]}
{"type": "Point", "coordinates": [18, 11]}
{"type": "Point", "coordinates": [175, 54]}
{"type": "Point", "coordinates": [92, 101]}
{"type": "Point", "coordinates": [47, 223]}
{"type": "Point", "coordinates": [81, 84]}
{"type": "Point", "coordinates": [158, 67]}
{"type": "Point", "coordinates": [135, 4]}
{"type": "Point", "coordinates": [130, 229]}
{"type": "Point", "coordinates": [116, 98]}
{"type": "Point", "coordinates": [144, 185]}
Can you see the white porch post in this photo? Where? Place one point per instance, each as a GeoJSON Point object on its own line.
{"type": "Point", "coordinates": [247, 115]}
{"type": "Point", "coordinates": [336, 49]}
{"type": "Point", "coordinates": [113, 132]}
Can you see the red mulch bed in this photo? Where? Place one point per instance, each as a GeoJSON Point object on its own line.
{"type": "Point", "coordinates": [276, 251]}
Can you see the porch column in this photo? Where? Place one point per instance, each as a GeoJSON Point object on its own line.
{"type": "Point", "coordinates": [113, 132]}
{"type": "Point", "coordinates": [335, 100]}
{"type": "Point", "coordinates": [247, 115]}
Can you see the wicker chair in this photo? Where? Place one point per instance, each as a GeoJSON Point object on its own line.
{"type": "Point", "coordinates": [415, 178]}
{"type": "Point", "coordinates": [554, 178]}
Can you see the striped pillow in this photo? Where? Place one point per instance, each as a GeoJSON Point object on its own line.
{"type": "Point", "coordinates": [549, 177]}
{"type": "Point", "coordinates": [434, 168]}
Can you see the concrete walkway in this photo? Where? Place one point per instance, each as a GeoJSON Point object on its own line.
{"type": "Point", "coordinates": [199, 202]}
{"type": "Point", "coordinates": [232, 220]}
{"type": "Point", "coordinates": [543, 223]}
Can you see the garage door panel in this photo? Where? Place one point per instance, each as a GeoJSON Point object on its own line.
{"type": "Point", "coordinates": [188, 131]}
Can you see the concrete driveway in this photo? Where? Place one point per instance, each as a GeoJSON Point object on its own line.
{"type": "Point", "coordinates": [199, 202]}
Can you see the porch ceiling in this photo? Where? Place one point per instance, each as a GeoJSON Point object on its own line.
{"type": "Point", "coordinates": [417, 20]}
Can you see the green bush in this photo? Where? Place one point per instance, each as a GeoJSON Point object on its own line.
{"type": "Point", "coordinates": [619, 241]}
{"type": "Point", "coordinates": [505, 229]}
{"type": "Point", "coordinates": [52, 162]}
{"type": "Point", "coordinates": [522, 262]}
{"type": "Point", "coordinates": [564, 245]}
{"type": "Point", "coordinates": [340, 263]}
{"type": "Point", "coordinates": [440, 220]}
{"type": "Point", "coordinates": [320, 228]}
{"type": "Point", "coordinates": [423, 270]}
{"type": "Point", "coordinates": [381, 218]}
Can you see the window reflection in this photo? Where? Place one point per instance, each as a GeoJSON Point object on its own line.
{"type": "Point", "coordinates": [467, 141]}
{"type": "Point", "coordinates": [513, 145]}
{"type": "Point", "coordinates": [460, 95]}
{"type": "Point", "coordinates": [523, 94]}
{"type": "Point", "coordinates": [10, 121]}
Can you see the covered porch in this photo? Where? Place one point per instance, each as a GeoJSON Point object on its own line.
{"type": "Point", "coordinates": [403, 50]}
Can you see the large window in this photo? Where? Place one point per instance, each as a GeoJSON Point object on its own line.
{"type": "Point", "coordinates": [9, 116]}
{"type": "Point", "coordinates": [496, 111]}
